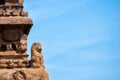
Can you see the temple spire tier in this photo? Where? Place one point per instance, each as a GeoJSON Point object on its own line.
{"type": "Point", "coordinates": [14, 30]}
{"type": "Point", "coordinates": [12, 8]}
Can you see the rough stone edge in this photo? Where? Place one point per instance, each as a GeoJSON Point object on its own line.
{"type": "Point", "coordinates": [15, 20]}
{"type": "Point", "coordinates": [30, 73]}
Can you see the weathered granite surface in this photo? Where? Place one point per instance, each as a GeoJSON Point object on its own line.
{"type": "Point", "coordinates": [15, 21]}
{"type": "Point", "coordinates": [23, 74]}
{"type": "Point", "coordinates": [14, 29]}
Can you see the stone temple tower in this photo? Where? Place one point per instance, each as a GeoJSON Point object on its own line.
{"type": "Point", "coordinates": [14, 29]}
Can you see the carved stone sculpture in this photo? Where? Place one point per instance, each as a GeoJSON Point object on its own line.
{"type": "Point", "coordinates": [37, 60]}
{"type": "Point", "coordinates": [14, 29]}
{"type": "Point", "coordinates": [12, 8]}
{"type": "Point", "coordinates": [19, 75]}
{"type": "Point", "coordinates": [22, 47]}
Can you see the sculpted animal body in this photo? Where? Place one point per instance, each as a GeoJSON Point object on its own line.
{"type": "Point", "coordinates": [37, 60]}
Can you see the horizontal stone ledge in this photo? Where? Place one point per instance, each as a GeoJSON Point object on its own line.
{"type": "Point", "coordinates": [7, 57]}
{"type": "Point", "coordinates": [25, 73]}
{"type": "Point", "coordinates": [15, 21]}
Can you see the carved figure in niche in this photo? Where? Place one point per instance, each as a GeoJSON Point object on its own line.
{"type": "Point", "coordinates": [37, 60]}
{"type": "Point", "coordinates": [9, 47]}
{"type": "Point", "coordinates": [3, 48]}
{"type": "Point", "coordinates": [19, 75]}
{"type": "Point", "coordinates": [22, 47]}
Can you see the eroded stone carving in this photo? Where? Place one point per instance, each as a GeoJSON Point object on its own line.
{"type": "Point", "coordinates": [37, 60]}
{"type": "Point", "coordinates": [12, 8]}
{"type": "Point", "coordinates": [19, 75]}
{"type": "Point", "coordinates": [22, 47]}
{"type": "Point", "coordinates": [14, 29]}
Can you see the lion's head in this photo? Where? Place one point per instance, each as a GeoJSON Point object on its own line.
{"type": "Point", "coordinates": [37, 46]}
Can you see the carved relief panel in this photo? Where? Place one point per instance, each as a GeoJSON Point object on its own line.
{"type": "Point", "coordinates": [19, 75]}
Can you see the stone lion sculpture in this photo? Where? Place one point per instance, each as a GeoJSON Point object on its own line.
{"type": "Point", "coordinates": [37, 60]}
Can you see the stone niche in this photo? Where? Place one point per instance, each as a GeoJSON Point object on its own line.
{"type": "Point", "coordinates": [12, 29]}
{"type": "Point", "coordinates": [13, 40]}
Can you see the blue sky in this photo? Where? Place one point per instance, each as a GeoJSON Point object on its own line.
{"type": "Point", "coordinates": [80, 38]}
